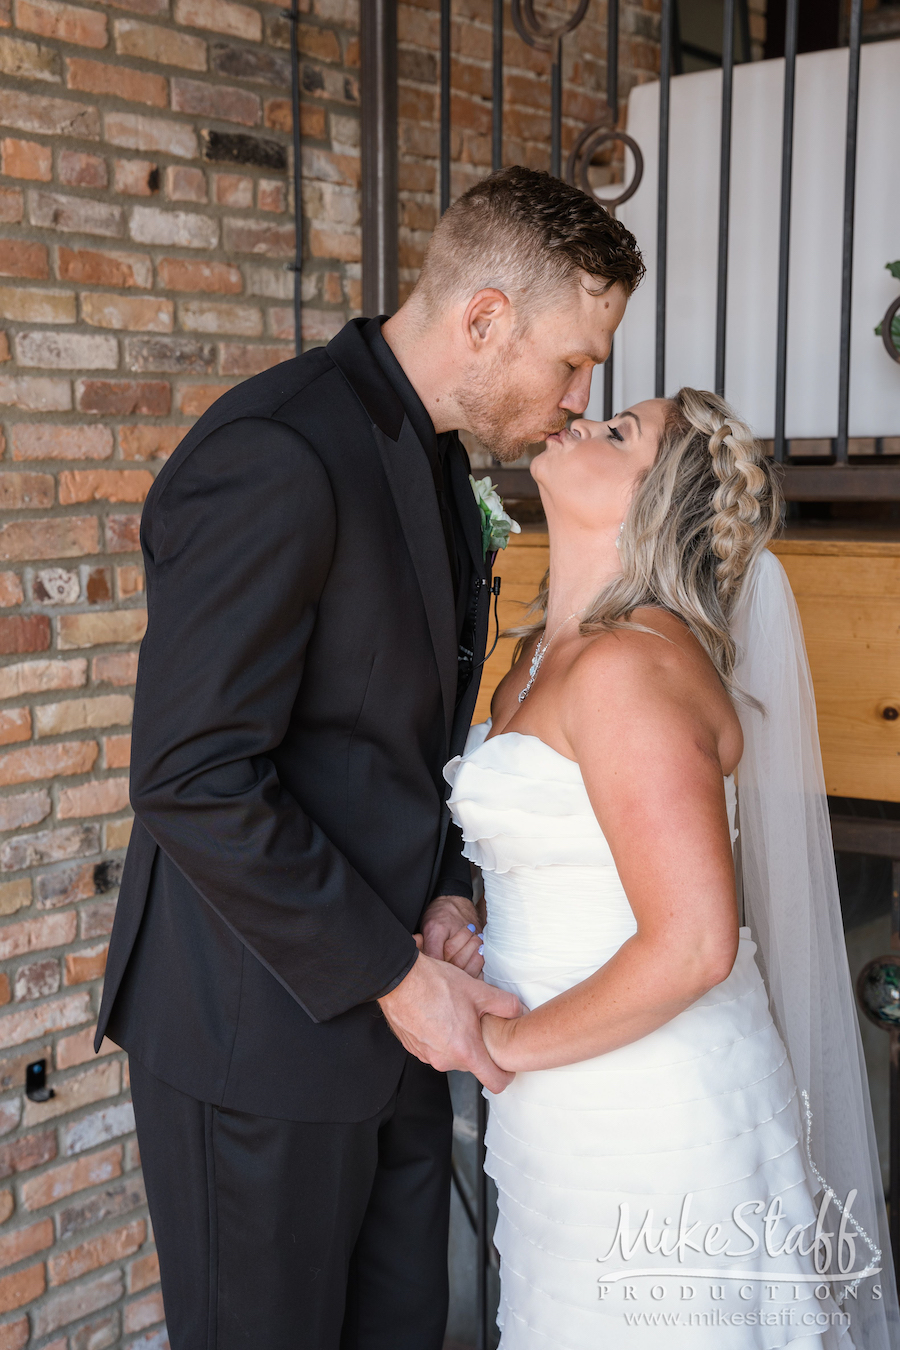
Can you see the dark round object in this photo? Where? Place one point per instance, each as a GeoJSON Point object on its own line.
{"type": "Point", "coordinates": [887, 335]}
{"type": "Point", "coordinates": [890, 713]}
{"type": "Point", "coordinates": [539, 34]}
{"type": "Point", "coordinates": [583, 151]}
{"type": "Point", "coordinates": [878, 991]}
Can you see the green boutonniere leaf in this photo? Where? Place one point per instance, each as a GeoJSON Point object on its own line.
{"type": "Point", "coordinates": [496, 525]}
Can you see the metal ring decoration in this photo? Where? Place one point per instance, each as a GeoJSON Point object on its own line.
{"type": "Point", "coordinates": [539, 34]}
{"type": "Point", "coordinates": [878, 986]}
{"type": "Point", "coordinates": [887, 335]}
{"type": "Point", "coordinates": [583, 151]}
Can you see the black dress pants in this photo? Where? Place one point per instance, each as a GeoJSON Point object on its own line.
{"type": "Point", "coordinates": [290, 1235]}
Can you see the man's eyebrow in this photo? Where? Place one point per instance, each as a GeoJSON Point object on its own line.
{"type": "Point", "coordinates": [629, 413]}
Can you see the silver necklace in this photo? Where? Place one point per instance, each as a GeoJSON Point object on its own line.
{"type": "Point", "coordinates": [540, 652]}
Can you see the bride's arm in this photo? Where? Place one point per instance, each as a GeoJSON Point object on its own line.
{"type": "Point", "coordinates": [645, 731]}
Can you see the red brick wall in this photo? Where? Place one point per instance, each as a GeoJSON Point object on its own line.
{"type": "Point", "coordinates": [145, 220]}
{"type": "Point", "coordinates": [141, 273]}
{"type": "Point", "coordinates": [526, 114]}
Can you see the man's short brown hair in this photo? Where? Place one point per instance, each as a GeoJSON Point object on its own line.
{"type": "Point", "coordinates": [530, 235]}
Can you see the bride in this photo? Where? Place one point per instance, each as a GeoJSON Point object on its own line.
{"type": "Point", "coordinates": [684, 1157]}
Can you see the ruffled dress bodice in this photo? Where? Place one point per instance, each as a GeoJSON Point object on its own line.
{"type": "Point", "coordinates": [525, 814]}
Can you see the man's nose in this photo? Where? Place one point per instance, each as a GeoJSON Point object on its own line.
{"type": "Point", "coordinates": [578, 393]}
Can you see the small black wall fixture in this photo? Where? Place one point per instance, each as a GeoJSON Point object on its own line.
{"type": "Point", "coordinates": [36, 1089]}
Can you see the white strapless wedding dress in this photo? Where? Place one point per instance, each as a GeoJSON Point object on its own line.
{"type": "Point", "coordinates": [705, 1107]}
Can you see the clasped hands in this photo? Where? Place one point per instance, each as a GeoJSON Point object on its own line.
{"type": "Point", "coordinates": [436, 1011]}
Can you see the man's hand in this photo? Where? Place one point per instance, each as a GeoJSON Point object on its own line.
{"type": "Point", "coordinates": [450, 932]}
{"type": "Point", "coordinates": [435, 1013]}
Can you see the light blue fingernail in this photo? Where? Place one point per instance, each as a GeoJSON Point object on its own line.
{"type": "Point", "coordinates": [481, 937]}
{"type": "Point", "coordinates": [481, 950]}
{"type": "Point", "coordinates": [471, 927]}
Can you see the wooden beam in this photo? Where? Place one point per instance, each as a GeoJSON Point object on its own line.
{"type": "Point", "coordinates": [859, 834]}
{"type": "Point", "coordinates": [842, 483]}
{"type": "Point", "coordinates": [802, 483]}
{"type": "Point", "coordinates": [514, 483]}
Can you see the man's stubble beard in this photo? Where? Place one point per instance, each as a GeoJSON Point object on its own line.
{"type": "Point", "coordinates": [496, 409]}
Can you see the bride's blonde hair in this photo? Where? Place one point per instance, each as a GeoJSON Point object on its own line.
{"type": "Point", "coordinates": [699, 517]}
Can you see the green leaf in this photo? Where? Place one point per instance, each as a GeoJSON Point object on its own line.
{"type": "Point", "coordinates": [894, 269]}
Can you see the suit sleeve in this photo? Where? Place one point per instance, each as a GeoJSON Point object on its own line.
{"type": "Point", "coordinates": [455, 876]}
{"type": "Point", "coordinates": [238, 542]}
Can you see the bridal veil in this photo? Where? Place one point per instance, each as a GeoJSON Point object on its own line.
{"type": "Point", "coordinates": [793, 909]}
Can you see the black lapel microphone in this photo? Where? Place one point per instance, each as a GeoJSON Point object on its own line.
{"type": "Point", "coordinates": [495, 592]}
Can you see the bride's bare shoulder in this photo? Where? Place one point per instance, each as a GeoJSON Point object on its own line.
{"type": "Point", "coordinates": [654, 643]}
{"type": "Point", "coordinates": [650, 673]}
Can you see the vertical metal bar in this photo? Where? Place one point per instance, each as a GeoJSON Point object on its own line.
{"type": "Point", "coordinates": [841, 446]}
{"type": "Point", "coordinates": [556, 111]}
{"type": "Point", "coordinates": [677, 49]}
{"type": "Point", "coordinates": [612, 59]}
{"type": "Point", "coordinates": [744, 22]}
{"type": "Point", "coordinates": [894, 1150]}
{"type": "Point", "coordinates": [662, 199]}
{"type": "Point", "coordinates": [378, 55]}
{"type": "Point", "coordinates": [482, 1237]}
{"type": "Point", "coordinates": [608, 386]}
{"type": "Point", "coordinates": [298, 181]}
{"type": "Point", "coordinates": [497, 90]}
{"type": "Point", "coordinates": [894, 1145]}
{"type": "Point", "coordinates": [784, 224]}
{"type": "Point", "coordinates": [445, 106]}
{"type": "Point", "coordinates": [612, 100]}
{"type": "Point", "coordinates": [724, 191]}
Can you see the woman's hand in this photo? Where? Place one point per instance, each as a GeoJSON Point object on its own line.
{"type": "Point", "coordinates": [451, 932]}
{"type": "Point", "coordinates": [498, 1033]}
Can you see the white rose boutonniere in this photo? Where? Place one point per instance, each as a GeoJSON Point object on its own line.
{"type": "Point", "coordinates": [496, 525]}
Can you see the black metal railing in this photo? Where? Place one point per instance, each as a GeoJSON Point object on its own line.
{"type": "Point", "coordinates": [803, 481]}
{"type": "Point", "coordinates": [724, 190]}
{"type": "Point", "coordinates": [842, 442]}
{"type": "Point", "coordinates": [379, 78]}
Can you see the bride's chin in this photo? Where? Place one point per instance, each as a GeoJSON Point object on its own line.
{"type": "Point", "coordinates": [541, 463]}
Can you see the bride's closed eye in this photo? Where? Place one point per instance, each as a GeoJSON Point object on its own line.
{"type": "Point", "coordinates": [615, 434]}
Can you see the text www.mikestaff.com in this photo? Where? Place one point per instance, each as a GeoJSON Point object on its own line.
{"type": "Point", "coordinates": [718, 1318]}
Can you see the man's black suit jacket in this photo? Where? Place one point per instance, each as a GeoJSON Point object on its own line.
{"type": "Point", "coordinates": [296, 701]}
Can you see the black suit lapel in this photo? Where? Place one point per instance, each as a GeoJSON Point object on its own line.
{"type": "Point", "coordinates": [350, 353]}
{"type": "Point", "coordinates": [411, 482]}
{"type": "Point", "coordinates": [412, 486]}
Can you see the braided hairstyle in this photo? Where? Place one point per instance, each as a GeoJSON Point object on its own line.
{"type": "Point", "coordinates": [698, 518]}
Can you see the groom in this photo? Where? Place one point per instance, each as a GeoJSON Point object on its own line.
{"type": "Point", "coordinates": [318, 601]}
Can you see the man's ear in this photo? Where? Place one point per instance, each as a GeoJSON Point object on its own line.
{"type": "Point", "coordinates": [487, 316]}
